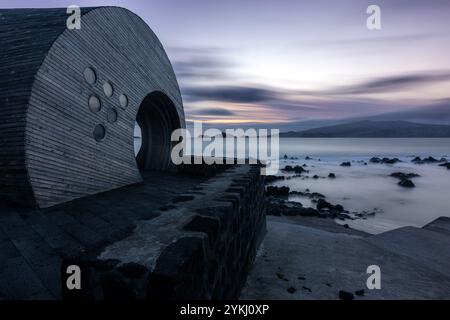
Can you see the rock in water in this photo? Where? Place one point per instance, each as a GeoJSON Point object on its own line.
{"type": "Point", "coordinates": [296, 169]}
{"type": "Point", "coordinates": [406, 183]}
{"type": "Point", "coordinates": [331, 175]}
{"type": "Point", "coordinates": [375, 160]}
{"type": "Point", "coordinates": [404, 176]}
{"type": "Point", "coordinates": [384, 160]}
{"type": "Point", "coordinates": [391, 161]}
{"type": "Point", "coordinates": [277, 191]}
{"type": "Point", "coordinates": [325, 205]}
{"type": "Point", "coordinates": [344, 295]}
{"type": "Point", "coordinates": [346, 164]}
{"type": "Point", "coordinates": [447, 165]}
{"type": "Point", "coordinates": [270, 179]}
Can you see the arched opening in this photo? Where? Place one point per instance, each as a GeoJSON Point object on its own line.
{"type": "Point", "coordinates": [156, 119]}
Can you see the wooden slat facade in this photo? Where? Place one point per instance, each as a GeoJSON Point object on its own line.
{"type": "Point", "coordinates": [48, 153]}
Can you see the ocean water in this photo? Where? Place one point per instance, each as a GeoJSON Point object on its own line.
{"type": "Point", "coordinates": [369, 187]}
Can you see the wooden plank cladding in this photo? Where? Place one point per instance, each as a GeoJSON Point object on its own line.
{"type": "Point", "coordinates": [69, 100]}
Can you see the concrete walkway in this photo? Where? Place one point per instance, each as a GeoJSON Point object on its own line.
{"type": "Point", "coordinates": [34, 242]}
{"type": "Point", "coordinates": [316, 259]}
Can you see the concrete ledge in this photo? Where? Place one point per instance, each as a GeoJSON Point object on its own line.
{"type": "Point", "coordinates": [201, 247]}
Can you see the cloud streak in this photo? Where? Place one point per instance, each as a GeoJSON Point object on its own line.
{"type": "Point", "coordinates": [393, 84]}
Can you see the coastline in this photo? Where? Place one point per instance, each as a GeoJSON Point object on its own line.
{"type": "Point", "coordinates": [310, 260]}
{"type": "Point", "coordinates": [377, 194]}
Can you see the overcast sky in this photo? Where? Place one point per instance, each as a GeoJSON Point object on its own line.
{"type": "Point", "coordinates": [278, 61]}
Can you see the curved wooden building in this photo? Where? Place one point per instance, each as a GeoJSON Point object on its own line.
{"type": "Point", "coordinates": [69, 100]}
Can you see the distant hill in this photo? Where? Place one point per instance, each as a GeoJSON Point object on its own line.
{"type": "Point", "coordinates": [375, 129]}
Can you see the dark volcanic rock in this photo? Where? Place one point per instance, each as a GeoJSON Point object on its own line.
{"type": "Point", "coordinates": [447, 165]}
{"type": "Point", "coordinates": [296, 169]}
{"type": "Point", "coordinates": [270, 179]}
{"type": "Point", "coordinates": [418, 160]}
{"type": "Point", "coordinates": [331, 175]}
{"type": "Point", "coordinates": [430, 160]}
{"type": "Point", "coordinates": [279, 207]}
{"type": "Point", "coordinates": [406, 183]}
{"type": "Point", "coordinates": [277, 191]}
{"type": "Point", "coordinates": [375, 160]}
{"type": "Point", "coordinates": [325, 205]}
{"type": "Point", "coordinates": [346, 164]}
{"type": "Point", "coordinates": [308, 194]}
{"type": "Point", "coordinates": [384, 160]}
{"type": "Point", "coordinates": [344, 295]}
{"type": "Point", "coordinates": [404, 176]}
{"type": "Point", "coordinates": [391, 161]}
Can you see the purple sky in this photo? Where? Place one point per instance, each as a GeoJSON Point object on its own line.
{"type": "Point", "coordinates": [284, 61]}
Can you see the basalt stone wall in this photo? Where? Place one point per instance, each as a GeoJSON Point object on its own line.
{"type": "Point", "coordinates": [200, 247]}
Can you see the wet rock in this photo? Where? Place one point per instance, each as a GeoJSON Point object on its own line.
{"type": "Point", "coordinates": [315, 176]}
{"type": "Point", "coordinates": [270, 179]}
{"type": "Point", "coordinates": [332, 175]}
{"type": "Point", "coordinates": [390, 161]}
{"type": "Point", "coordinates": [344, 295]}
{"type": "Point", "coordinates": [317, 195]}
{"type": "Point", "coordinates": [285, 157]}
{"type": "Point", "coordinates": [277, 191]}
{"type": "Point", "coordinates": [430, 160]}
{"type": "Point", "coordinates": [406, 183]}
{"type": "Point", "coordinates": [296, 169]}
{"type": "Point", "coordinates": [278, 207]}
{"type": "Point", "coordinates": [447, 165]}
{"type": "Point", "coordinates": [308, 194]}
{"type": "Point", "coordinates": [384, 160]}
{"type": "Point", "coordinates": [404, 176]}
{"type": "Point", "coordinates": [375, 160]}
{"type": "Point", "coordinates": [418, 160]}
{"type": "Point", "coordinates": [325, 205]}
{"type": "Point", "coordinates": [346, 164]}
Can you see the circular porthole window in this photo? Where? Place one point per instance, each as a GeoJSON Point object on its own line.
{"type": "Point", "coordinates": [123, 100]}
{"type": "Point", "coordinates": [108, 89]}
{"type": "Point", "coordinates": [112, 115]}
{"type": "Point", "coordinates": [99, 132]}
{"type": "Point", "coordinates": [89, 75]}
{"type": "Point", "coordinates": [95, 104]}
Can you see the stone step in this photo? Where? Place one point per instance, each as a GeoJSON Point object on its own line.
{"type": "Point", "coordinates": [428, 248]}
{"type": "Point", "coordinates": [441, 225]}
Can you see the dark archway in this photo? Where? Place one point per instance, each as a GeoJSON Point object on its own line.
{"type": "Point", "coordinates": [157, 118]}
